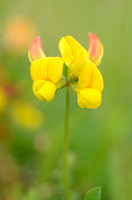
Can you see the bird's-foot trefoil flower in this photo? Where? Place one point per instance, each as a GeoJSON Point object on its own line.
{"type": "Point", "coordinates": [46, 72]}
{"type": "Point", "coordinates": [89, 86]}
{"type": "Point", "coordinates": [82, 65]}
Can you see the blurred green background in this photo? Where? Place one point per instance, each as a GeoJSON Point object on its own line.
{"type": "Point", "coordinates": [31, 131]}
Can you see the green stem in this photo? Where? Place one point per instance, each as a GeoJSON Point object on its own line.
{"type": "Point", "coordinates": [66, 171]}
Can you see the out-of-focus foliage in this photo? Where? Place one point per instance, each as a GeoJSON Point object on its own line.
{"type": "Point", "coordinates": [94, 193]}
{"type": "Point", "coordinates": [31, 131]}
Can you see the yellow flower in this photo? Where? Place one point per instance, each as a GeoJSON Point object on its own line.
{"type": "Point", "coordinates": [89, 86]}
{"type": "Point", "coordinates": [26, 115]}
{"type": "Point", "coordinates": [74, 54]}
{"type": "Point", "coordinates": [46, 72]}
{"type": "Point", "coordinates": [82, 65]}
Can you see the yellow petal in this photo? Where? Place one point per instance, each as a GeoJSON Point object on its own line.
{"type": "Point", "coordinates": [36, 70]}
{"type": "Point", "coordinates": [98, 82]}
{"type": "Point", "coordinates": [78, 66]}
{"type": "Point", "coordinates": [70, 50]}
{"type": "Point", "coordinates": [66, 51]}
{"type": "Point", "coordinates": [95, 49]}
{"type": "Point", "coordinates": [44, 90]}
{"type": "Point", "coordinates": [49, 68]}
{"type": "Point", "coordinates": [89, 98]}
{"type": "Point", "coordinates": [36, 87]}
{"type": "Point", "coordinates": [90, 77]}
{"type": "Point", "coordinates": [55, 69]}
{"type": "Point", "coordinates": [36, 50]}
{"type": "Point", "coordinates": [86, 75]}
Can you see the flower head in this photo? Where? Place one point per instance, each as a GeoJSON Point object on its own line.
{"type": "Point", "coordinates": [83, 74]}
{"type": "Point", "coordinates": [45, 71]}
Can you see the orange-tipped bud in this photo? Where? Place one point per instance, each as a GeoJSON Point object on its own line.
{"type": "Point", "coordinates": [95, 49]}
{"type": "Point", "coordinates": [36, 50]}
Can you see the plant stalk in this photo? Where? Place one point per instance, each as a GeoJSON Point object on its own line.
{"type": "Point", "coordinates": [66, 134]}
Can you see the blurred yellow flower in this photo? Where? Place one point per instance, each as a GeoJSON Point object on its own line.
{"type": "Point", "coordinates": [81, 64]}
{"type": "Point", "coordinates": [3, 99]}
{"type": "Point", "coordinates": [46, 72]}
{"type": "Point", "coordinates": [26, 115]}
{"type": "Point", "coordinates": [19, 31]}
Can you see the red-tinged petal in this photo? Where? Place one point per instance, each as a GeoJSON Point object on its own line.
{"type": "Point", "coordinates": [36, 50]}
{"type": "Point", "coordinates": [95, 49]}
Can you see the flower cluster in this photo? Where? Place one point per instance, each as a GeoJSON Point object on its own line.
{"type": "Point", "coordinates": [83, 74]}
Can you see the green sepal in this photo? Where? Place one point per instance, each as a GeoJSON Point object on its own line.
{"type": "Point", "coordinates": [65, 71]}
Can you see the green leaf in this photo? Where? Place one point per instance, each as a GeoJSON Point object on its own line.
{"type": "Point", "coordinates": [93, 194]}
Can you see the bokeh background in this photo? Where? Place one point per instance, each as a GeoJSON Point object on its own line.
{"type": "Point", "coordinates": [31, 131]}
